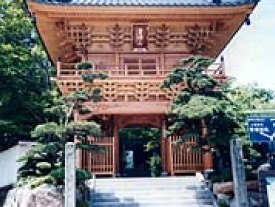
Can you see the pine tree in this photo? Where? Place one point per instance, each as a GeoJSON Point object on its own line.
{"type": "Point", "coordinates": [45, 161]}
{"type": "Point", "coordinates": [200, 105]}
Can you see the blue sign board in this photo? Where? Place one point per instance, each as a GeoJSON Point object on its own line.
{"type": "Point", "coordinates": [261, 129]}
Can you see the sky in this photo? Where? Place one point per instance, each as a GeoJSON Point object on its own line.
{"type": "Point", "coordinates": [250, 56]}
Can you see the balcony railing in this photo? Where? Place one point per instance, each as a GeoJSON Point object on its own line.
{"type": "Point", "coordinates": [69, 71]}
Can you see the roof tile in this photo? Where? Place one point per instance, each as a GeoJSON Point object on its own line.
{"type": "Point", "coordinates": [147, 2]}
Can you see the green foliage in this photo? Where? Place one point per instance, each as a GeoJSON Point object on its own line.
{"type": "Point", "coordinates": [59, 176]}
{"type": "Point", "coordinates": [203, 103]}
{"type": "Point", "coordinates": [90, 77]}
{"type": "Point", "coordinates": [23, 75]}
{"type": "Point", "coordinates": [47, 158]}
{"type": "Point", "coordinates": [191, 72]}
{"type": "Point", "coordinates": [250, 97]}
{"type": "Point", "coordinates": [26, 102]}
{"type": "Point", "coordinates": [40, 160]}
{"type": "Point", "coordinates": [82, 129]}
{"type": "Point", "coordinates": [81, 176]}
{"type": "Point", "coordinates": [41, 180]}
{"type": "Point", "coordinates": [49, 132]}
{"type": "Point", "coordinates": [140, 133]}
{"type": "Point", "coordinates": [44, 165]}
{"type": "Point", "coordinates": [84, 66]}
{"type": "Point", "coordinates": [200, 105]}
{"type": "Point", "coordinates": [247, 98]}
{"type": "Point", "coordinates": [155, 165]}
{"type": "Point", "coordinates": [224, 176]}
{"type": "Point", "coordinates": [82, 204]}
{"type": "Point", "coordinates": [35, 182]}
{"type": "Point", "coordinates": [222, 203]}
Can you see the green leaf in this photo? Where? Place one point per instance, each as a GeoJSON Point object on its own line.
{"type": "Point", "coordinates": [43, 165]}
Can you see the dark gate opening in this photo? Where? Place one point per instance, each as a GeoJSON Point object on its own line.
{"type": "Point", "coordinates": [140, 152]}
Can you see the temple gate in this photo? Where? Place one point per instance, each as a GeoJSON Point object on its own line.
{"type": "Point", "coordinates": [136, 43]}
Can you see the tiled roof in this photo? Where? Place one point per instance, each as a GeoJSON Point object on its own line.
{"type": "Point", "coordinates": [190, 3]}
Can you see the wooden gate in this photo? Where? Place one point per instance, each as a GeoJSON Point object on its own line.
{"type": "Point", "coordinates": [181, 159]}
{"type": "Point", "coordinates": [100, 163]}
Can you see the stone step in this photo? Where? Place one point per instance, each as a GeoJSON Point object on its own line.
{"type": "Point", "coordinates": [147, 205]}
{"type": "Point", "coordinates": [125, 185]}
{"type": "Point", "coordinates": [151, 192]}
{"type": "Point", "coordinates": [149, 188]}
{"type": "Point", "coordinates": [147, 199]}
{"type": "Point", "coordinates": [151, 204]}
{"type": "Point", "coordinates": [146, 180]}
{"type": "Point", "coordinates": [145, 196]}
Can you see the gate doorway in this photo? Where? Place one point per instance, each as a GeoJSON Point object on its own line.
{"type": "Point", "coordinates": [140, 152]}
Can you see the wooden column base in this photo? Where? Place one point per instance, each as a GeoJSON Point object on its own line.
{"type": "Point", "coordinates": [207, 160]}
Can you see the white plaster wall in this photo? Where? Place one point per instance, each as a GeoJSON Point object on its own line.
{"type": "Point", "coordinates": [8, 163]}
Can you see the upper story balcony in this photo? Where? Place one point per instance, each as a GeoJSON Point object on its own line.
{"type": "Point", "coordinates": [135, 81]}
{"type": "Point", "coordinates": [133, 85]}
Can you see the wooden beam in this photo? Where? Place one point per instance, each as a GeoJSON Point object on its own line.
{"type": "Point", "coordinates": [124, 108]}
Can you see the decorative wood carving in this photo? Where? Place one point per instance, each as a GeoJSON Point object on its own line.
{"type": "Point", "coordinates": [162, 38]}
{"type": "Point", "coordinates": [80, 34]}
{"type": "Point", "coordinates": [74, 40]}
{"type": "Point", "coordinates": [201, 38]}
{"type": "Point", "coordinates": [116, 36]}
{"type": "Point", "coordinates": [67, 53]}
{"type": "Point", "coordinates": [80, 38]}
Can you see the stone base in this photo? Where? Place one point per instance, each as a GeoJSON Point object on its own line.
{"type": "Point", "coordinates": [264, 172]}
{"type": "Point", "coordinates": [164, 174]}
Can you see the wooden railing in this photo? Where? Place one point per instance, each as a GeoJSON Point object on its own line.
{"type": "Point", "coordinates": [69, 71]}
{"type": "Point", "coordinates": [100, 163]}
{"type": "Point", "coordinates": [181, 158]}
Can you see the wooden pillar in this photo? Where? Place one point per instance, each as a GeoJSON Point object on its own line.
{"type": "Point", "coordinates": [117, 65]}
{"type": "Point", "coordinates": [58, 68]}
{"type": "Point", "coordinates": [170, 156]}
{"type": "Point", "coordinates": [207, 157]}
{"type": "Point", "coordinates": [162, 64]}
{"type": "Point", "coordinates": [116, 143]}
{"type": "Point", "coordinates": [163, 154]}
{"type": "Point", "coordinates": [163, 141]}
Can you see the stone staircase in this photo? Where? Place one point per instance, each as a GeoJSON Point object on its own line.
{"type": "Point", "coordinates": [150, 192]}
